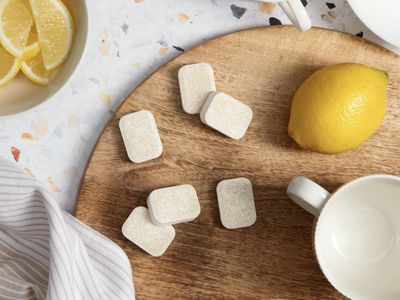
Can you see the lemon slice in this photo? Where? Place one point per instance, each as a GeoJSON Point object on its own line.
{"type": "Point", "coordinates": [32, 46]}
{"type": "Point", "coordinates": [34, 69]}
{"type": "Point", "coordinates": [9, 66]}
{"type": "Point", "coordinates": [55, 29]}
{"type": "Point", "coordinates": [15, 26]}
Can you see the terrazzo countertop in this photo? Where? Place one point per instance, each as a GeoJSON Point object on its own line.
{"type": "Point", "coordinates": [128, 40]}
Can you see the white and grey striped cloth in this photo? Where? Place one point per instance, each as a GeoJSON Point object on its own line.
{"type": "Point", "coordinates": [45, 253]}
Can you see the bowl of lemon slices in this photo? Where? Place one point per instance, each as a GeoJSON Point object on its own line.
{"type": "Point", "coordinates": [41, 44]}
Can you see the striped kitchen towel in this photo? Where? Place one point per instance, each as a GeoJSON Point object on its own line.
{"type": "Point", "coordinates": [45, 253]}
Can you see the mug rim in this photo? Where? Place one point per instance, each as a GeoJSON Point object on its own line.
{"type": "Point", "coordinates": [332, 280]}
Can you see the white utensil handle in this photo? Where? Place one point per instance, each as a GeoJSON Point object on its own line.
{"type": "Point", "coordinates": [297, 14]}
{"type": "Point", "coordinates": [309, 195]}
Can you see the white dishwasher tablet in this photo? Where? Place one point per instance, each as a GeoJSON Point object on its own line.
{"type": "Point", "coordinates": [141, 231]}
{"type": "Point", "coordinates": [196, 81]}
{"type": "Point", "coordinates": [226, 115]}
{"type": "Point", "coordinates": [140, 134]}
{"type": "Point", "coordinates": [236, 203]}
{"type": "Point", "coordinates": [173, 205]}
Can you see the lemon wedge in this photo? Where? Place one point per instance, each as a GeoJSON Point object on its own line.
{"type": "Point", "coordinates": [15, 26]}
{"type": "Point", "coordinates": [32, 46]}
{"type": "Point", "coordinates": [55, 29]}
{"type": "Point", "coordinates": [9, 66]}
{"type": "Point", "coordinates": [34, 69]}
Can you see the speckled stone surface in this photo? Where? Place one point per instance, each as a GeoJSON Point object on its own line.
{"type": "Point", "coordinates": [128, 40]}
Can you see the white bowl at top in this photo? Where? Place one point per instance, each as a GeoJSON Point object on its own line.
{"type": "Point", "coordinates": [382, 17]}
{"type": "Point", "coordinates": [21, 94]}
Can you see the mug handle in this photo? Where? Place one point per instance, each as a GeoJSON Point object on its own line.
{"type": "Point", "coordinates": [297, 14]}
{"type": "Point", "coordinates": [309, 195]}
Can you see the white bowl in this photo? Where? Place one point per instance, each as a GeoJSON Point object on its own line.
{"type": "Point", "coordinates": [382, 17]}
{"type": "Point", "coordinates": [21, 94]}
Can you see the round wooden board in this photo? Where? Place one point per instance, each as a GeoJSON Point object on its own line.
{"type": "Point", "coordinates": [274, 258]}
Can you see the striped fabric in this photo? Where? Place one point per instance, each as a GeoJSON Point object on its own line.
{"type": "Point", "coordinates": [45, 253]}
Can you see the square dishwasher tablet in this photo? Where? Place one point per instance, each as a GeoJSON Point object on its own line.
{"type": "Point", "coordinates": [196, 81]}
{"type": "Point", "coordinates": [172, 205]}
{"type": "Point", "coordinates": [140, 134]}
{"type": "Point", "coordinates": [141, 231]}
{"type": "Point", "coordinates": [226, 115]}
{"type": "Point", "coordinates": [236, 203]}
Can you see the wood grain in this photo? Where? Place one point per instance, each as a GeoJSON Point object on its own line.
{"type": "Point", "coordinates": [274, 258]}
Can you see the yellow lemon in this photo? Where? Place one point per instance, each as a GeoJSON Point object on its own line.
{"type": "Point", "coordinates": [9, 66]}
{"type": "Point", "coordinates": [32, 46]}
{"type": "Point", "coordinates": [55, 29]}
{"type": "Point", "coordinates": [338, 107]}
{"type": "Point", "coordinates": [15, 26]}
{"type": "Point", "coordinates": [34, 69]}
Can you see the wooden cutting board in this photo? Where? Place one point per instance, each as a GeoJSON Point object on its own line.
{"type": "Point", "coordinates": [274, 258]}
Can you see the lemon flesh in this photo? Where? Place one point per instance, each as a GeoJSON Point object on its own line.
{"type": "Point", "coordinates": [15, 26]}
{"type": "Point", "coordinates": [55, 30]}
{"type": "Point", "coordinates": [338, 107]}
{"type": "Point", "coordinates": [32, 46]}
{"type": "Point", "coordinates": [9, 66]}
{"type": "Point", "coordinates": [34, 69]}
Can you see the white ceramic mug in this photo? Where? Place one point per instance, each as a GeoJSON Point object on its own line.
{"type": "Point", "coordinates": [296, 13]}
{"type": "Point", "coordinates": [357, 234]}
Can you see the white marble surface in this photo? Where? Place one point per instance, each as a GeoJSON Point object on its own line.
{"type": "Point", "coordinates": [128, 40]}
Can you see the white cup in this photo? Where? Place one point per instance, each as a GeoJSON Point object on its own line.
{"type": "Point", "coordinates": [357, 234]}
{"type": "Point", "coordinates": [296, 13]}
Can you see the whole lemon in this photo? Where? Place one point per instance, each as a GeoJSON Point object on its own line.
{"type": "Point", "coordinates": [338, 107]}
